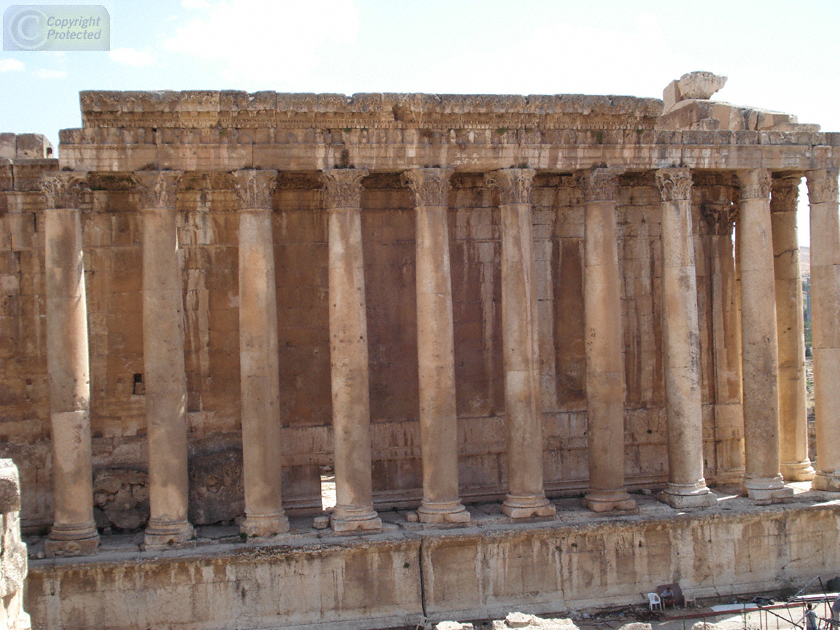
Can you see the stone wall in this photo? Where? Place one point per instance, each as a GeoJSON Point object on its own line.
{"type": "Point", "coordinates": [482, 571]}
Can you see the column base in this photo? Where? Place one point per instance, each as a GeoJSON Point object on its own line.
{"type": "Point", "coordinates": [692, 495]}
{"type": "Point", "coordinates": [72, 540]}
{"type": "Point", "coordinates": [264, 525]}
{"type": "Point", "coordinates": [168, 535]}
{"type": "Point", "coordinates": [350, 519]}
{"type": "Point", "coordinates": [828, 480]}
{"type": "Point", "coordinates": [766, 489]}
{"type": "Point", "coordinates": [606, 501]}
{"type": "Point", "coordinates": [436, 512]}
{"type": "Point", "coordinates": [527, 506]}
{"type": "Point", "coordinates": [798, 471]}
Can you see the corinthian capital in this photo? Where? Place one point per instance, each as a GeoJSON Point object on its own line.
{"type": "Point", "coordinates": [514, 184]}
{"type": "Point", "coordinates": [784, 194]}
{"type": "Point", "coordinates": [755, 183]}
{"type": "Point", "coordinates": [822, 186]}
{"type": "Point", "coordinates": [720, 216]}
{"type": "Point", "coordinates": [62, 189]}
{"type": "Point", "coordinates": [254, 188]}
{"type": "Point", "coordinates": [158, 189]}
{"type": "Point", "coordinates": [343, 187]}
{"type": "Point", "coordinates": [429, 185]}
{"type": "Point", "coordinates": [599, 184]}
{"type": "Point", "coordinates": [674, 184]}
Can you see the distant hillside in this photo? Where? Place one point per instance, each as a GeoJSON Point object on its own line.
{"type": "Point", "coordinates": [805, 261]}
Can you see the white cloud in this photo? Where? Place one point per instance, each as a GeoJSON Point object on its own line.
{"type": "Point", "coordinates": [10, 65]}
{"type": "Point", "coordinates": [195, 4]}
{"type": "Point", "coordinates": [132, 57]}
{"type": "Point", "coordinates": [267, 43]}
{"type": "Point", "coordinates": [50, 74]}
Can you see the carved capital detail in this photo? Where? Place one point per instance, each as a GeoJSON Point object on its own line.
{"type": "Point", "coordinates": [674, 184]}
{"type": "Point", "coordinates": [343, 187]}
{"type": "Point", "coordinates": [784, 195]}
{"type": "Point", "coordinates": [63, 189]}
{"type": "Point", "coordinates": [822, 186]}
{"type": "Point", "coordinates": [429, 185]}
{"type": "Point", "coordinates": [720, 216]}
{"type": "Point", "coordinates": [254, 188]}
{"type": "Point", "coordinates": [158, 189]}
{"type": "Point", "coordinates": [600, 184]}
{"type": "Point", "coordinates": [755, 183]}
{"type": "Point", "coordinates": [514, 184]}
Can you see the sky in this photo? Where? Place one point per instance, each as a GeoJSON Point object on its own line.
{"type": "Point", "coordinates": [779, 55]}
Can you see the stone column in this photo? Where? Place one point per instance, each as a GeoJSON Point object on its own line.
{"type": "Point", "coordinates": [604, 344]}
{"type": "Point", "coordinates": [726, 344]}
{"type": "Point", "coordinates": [436, 348]}
{"type": "Point", "coordinates": [259, 356]}
{"type": "Point", "coordinates": [686, 485]}
{"type": "Point", "coordinates": [762, 479]}
{"type": "Point", "coordinates": [163, 360]}
{"type": "Point", "coordinates": [825, 322]}
{"type": "Point", "coordinates": [349, 354]}
{"type": "Point", "coordinates": [73, 531]}
{"type": "Point", "coordinates": [790, 327]}
{"type": "Point", "coordinates": [523, 411]}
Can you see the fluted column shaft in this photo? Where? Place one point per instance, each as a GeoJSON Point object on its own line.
{"type": "Point", "coordinates": [759, 341]}
{"type": "Point", "coordinates": [790, 327]}
{"type": "Point", "coordinates": [73, 531]}
{"type": "Point", "coordinates": [349, 354]}
{"type": "Point", "coordinates": [259, 356]}
{"type": "Point", "coordinates": [163, 359]}
{"type": "Point", "coordinates": [686, 484]}
{"type": "Point", "coordinates": [523, 410]}
{"type": "Point", "coordinates": [604, 344]}
{"type": "Point", "coordinates": [436, 348]}
{"type": "Point", "coordinates": [825, 323]}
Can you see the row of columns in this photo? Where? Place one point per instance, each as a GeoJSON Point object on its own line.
{"type": "Point", "coordinates": [770, 300]}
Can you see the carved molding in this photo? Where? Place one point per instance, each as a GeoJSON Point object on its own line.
{"type": "Point", "coordinates": [755, 183]}
{"type": "Point", "coordinates": [429, 185]}
{"type": "Point", "coordinates": [822, 186]}
{"type": "Point", "coordinates": [343, 187]}
{"type": "Point", "coordinates": [600, 184]}
{"type": "Point", "coordinates": [784, 195]}
{"type": "Point", "coordinates": [158, 189]}
{"type": "Point", "coordinates": [674, 184]}
{"type": "Point", "coordinates": [720, 216]}
{"type": "Point", "coordinates": [514, 184]}
{"type": "Point", "coordinates": [254, 188]}
{"type": "Point", "coordinates": [63, 189]}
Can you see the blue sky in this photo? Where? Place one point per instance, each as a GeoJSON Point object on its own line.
{"type": "Point", "coordinates": [781, 55]}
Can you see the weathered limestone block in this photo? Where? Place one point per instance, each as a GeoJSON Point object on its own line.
{"type": "Point", "coordinates": [217, 490]}
{"type": "Point", "coordinates": [122, 494]}
{"type": "Point", "coordinates": [13, 558]}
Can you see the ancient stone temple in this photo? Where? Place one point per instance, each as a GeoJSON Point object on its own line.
{"type": "Point", "coordinates": [508, 324]}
